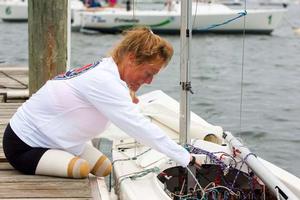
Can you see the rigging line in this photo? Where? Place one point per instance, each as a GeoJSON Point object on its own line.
{"type": "Point", "coordinates": [241, 14]}
{"type": "Point", "coordinates": [242, 70]}
{"type": "Point", "coordinates": [196, 10]}
{"type": "Point", "coordinates": [196, 180]}
{"type": "Point", "coordinates": [133, 8]}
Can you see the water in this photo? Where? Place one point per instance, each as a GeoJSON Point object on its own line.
{"type": "Point", "coordinates": [270, 124]}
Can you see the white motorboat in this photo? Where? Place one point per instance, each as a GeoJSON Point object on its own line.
{"type": "Point", "coordinates": [17, 10]}
{"type": "Point", "coordinates": [206, 18]}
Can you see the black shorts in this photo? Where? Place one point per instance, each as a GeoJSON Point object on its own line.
{"type": "Point", "coordinates": [20, 155]}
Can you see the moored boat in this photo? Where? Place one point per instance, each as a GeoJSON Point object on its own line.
{"type": "Point", "coordinates": [229, 169]}
{"type": "Point", "coordinates": [207, 17]}
{"type": "Point", "coordinates": [139, 170]}
{"type": "Point", "coordinates": [17, 10]}
{"type": "Point", "coordinates": [13, 10]}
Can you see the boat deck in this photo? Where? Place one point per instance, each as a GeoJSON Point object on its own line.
{"type": "Point", "coordinates": [13, 184]}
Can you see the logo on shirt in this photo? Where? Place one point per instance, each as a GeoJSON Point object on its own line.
{"type": "Point", "coordinates": [76, 71]}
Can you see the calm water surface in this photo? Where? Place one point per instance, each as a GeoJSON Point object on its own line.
{"type": "Point", "coordinates": [271, 86]}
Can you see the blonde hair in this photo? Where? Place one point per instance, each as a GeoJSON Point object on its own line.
{"type": "Point", "coordinates": [144, 45]}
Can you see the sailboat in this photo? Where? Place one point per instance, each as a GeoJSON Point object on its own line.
{"type": "Point", "coordinates": [167, 18]}
{"type": "Point", "coordinates": [229, 170]}
{"type": "Point", "coordinates": [17, 10]}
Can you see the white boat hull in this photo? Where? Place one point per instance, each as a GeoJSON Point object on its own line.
{"type": "Point", "coordinates": [13, 11]}
{"type": "Point", "coordinates": [164, 111]}
{"type": "Point", "coordinates": [17, 10]}
{"type": "Point", "coordinates": [116, 19]}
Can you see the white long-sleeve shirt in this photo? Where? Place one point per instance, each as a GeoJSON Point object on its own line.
{"type": "Point", "coordinates": [76, 106]}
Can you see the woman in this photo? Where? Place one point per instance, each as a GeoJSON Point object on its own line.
{"type": "Point", "coordinates": [48, 134]}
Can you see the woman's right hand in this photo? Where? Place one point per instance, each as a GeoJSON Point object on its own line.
{"type": "Point", "coordinates": [195, 162]}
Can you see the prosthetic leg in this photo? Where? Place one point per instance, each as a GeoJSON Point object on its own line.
{"type": "Point", "coordinates": [63, 164]}
{"type": "Point", "coordinates": [100, 165]}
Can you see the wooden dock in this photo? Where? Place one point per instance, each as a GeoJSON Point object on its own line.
{"type": "Point", "coordinates": [13, 184]}
{"type": "Point", "coordinates": [13, 84]}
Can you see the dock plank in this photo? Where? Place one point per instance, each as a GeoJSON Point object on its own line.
{"type": "Point", "coordinates": [45, 189]}
{"type": "Point", "coordinates": [5, 166]}
{"type": "Point", "coordinates": [46, 198]}
{"type": "Point", "coordinates": [15, 185]}
{"type": "Point", "coordinates": [13, 84]}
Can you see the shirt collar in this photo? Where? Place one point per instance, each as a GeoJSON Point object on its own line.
{"type": "Point", "coordinates": [114, 68]}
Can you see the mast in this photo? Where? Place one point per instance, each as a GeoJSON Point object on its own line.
{"type": "Point", "coordinates": [185, 41]}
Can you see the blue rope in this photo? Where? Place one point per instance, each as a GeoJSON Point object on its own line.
{"type": "Point", "coordinates": [213, 158]}
{"type": "Point", "coordinates": [243, 162]}
{"type": "Point", "coordinates": [241, 14]}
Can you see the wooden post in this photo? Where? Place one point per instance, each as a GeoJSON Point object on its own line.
{"type": "Point", "coordinates": [47, 26]}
